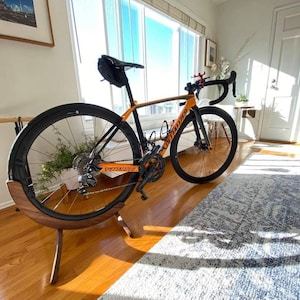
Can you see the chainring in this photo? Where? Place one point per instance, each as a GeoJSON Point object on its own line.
{"type": "Point", "coordinates": [156, 166]}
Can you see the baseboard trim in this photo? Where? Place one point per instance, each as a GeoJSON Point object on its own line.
{"type": "Point", "coordinates": [7, 204]}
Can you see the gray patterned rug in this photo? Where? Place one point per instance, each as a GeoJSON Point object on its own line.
{"type": "Point", "coordinates": [241, 242]}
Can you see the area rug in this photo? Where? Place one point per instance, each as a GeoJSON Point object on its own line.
{"type": "Point", "coordinates": [241, 242]}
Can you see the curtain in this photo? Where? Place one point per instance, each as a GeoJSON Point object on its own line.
{"type": "Point", "coordinates": [176, 14]}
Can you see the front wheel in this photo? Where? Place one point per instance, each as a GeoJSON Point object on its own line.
{"type": "Point", "coordinates": [194, 160]}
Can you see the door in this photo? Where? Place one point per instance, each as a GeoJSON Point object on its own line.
{"type": "Point", "coordinates": [282, 110]}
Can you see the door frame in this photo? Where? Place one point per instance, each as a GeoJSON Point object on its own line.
{"type": "Point", "coordinates": [271, 50]}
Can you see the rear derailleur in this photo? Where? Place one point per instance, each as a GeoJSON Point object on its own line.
{"type": "Point", "coordinates": [86, 168]}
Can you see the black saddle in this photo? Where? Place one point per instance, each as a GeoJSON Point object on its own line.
{"type": "Point", "coordinates": [113, 69]}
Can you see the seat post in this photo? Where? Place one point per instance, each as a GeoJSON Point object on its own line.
{"type": "Point", "coordinates": [138, 125]}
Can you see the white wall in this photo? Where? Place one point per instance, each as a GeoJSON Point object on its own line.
{"type": "Point", "coordinates": [247, 25]}
{"type": "Point", "coordinates": [32, 79]}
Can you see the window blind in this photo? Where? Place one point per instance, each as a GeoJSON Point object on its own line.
{"type": "Point", "coordinates": [176, 14]}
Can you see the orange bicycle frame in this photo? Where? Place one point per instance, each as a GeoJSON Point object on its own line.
{"type": "Point", "coordinates": [189, 103]}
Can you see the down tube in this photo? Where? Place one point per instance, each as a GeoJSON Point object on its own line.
{"type": "Point", "coordinates": [174, 129]}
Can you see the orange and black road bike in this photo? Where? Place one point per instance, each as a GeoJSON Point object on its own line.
{"type": "Point", "coordinates": [201, 141]}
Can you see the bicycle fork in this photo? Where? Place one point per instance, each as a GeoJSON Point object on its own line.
{"type": "Point", "coordinates": [202, 143]}
{"type": "Point", "coordinates": [152, 164]}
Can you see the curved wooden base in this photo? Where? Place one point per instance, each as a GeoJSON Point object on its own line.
{"type": "Point", "coordinates": [24, 204]}
{"type": "Point", "coordinates": [57, 256]}
{"type": "Point", "coordinates": [59, 245]}
{"type": "Point", "coordinates": [124, 225]}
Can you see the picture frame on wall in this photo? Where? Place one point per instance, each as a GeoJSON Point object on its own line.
{"type": "Point", "coordinates": [210, 53]}
{"type": "Point", "coordinates": [26, 21]}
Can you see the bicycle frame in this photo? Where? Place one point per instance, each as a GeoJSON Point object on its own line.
{"type": "Point", "coordinates": [189, 104]}
{"type": "Point", "coordinates": [113, 70]}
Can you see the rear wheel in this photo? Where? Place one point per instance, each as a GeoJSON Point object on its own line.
{"type": "Point", "coordinates": [72, 132]}
{"type": "Point", "coordinates": [192, 159]}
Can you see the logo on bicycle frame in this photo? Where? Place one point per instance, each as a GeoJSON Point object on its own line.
{"type": "Point", "coordinates": [175, 128]}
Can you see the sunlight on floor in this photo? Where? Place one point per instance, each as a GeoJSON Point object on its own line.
{"type": "Point", "coordinates": [156, 229]}
{"type": "Point", "coordinates": [270, 164]}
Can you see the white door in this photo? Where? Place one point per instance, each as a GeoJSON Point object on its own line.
{"type": "Point", "coordinates": [281, 119]}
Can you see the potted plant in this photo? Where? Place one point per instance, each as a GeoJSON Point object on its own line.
{"type": "Point", "coordinates": [61, 163]}
{"type": "Point", "coordinates": [242, 98]}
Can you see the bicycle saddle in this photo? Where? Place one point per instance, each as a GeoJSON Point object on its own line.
{"type": "Point", "coordinates": [113, 70]}
{"type": "Point", "coordinates": [122, 64]}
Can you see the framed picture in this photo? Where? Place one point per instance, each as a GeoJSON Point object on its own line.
{"type": "Point", "coordinates": [26, 21]}
{"type": "Point", "coordinates": [210, 53]}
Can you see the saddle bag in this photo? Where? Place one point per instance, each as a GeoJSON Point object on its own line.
{"type": "Point", "coordinates": [113, 74]}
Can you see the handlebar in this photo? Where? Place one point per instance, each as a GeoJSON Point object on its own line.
{"type": "Point", "coordinates": [201, 83]}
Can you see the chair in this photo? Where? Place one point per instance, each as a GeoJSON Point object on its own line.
{"type": "Point", "coordinates": [215, 125]}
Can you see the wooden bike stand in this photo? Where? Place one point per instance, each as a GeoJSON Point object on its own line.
{"type": "Point", "coordinates": [25, 205]}
{"type": "Point", "coordinates": [59, 245]}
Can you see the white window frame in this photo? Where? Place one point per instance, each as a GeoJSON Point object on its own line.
{"type": "Point", "coordinates": [95, 89]}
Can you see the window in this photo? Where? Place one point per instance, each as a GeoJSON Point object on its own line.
{"type": "Point", "coordinates": [136, 33]}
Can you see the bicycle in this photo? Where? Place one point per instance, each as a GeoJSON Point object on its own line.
{"type": "Point", "coordinates": [199, 152]}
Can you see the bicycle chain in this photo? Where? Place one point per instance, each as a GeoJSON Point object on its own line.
{"type": "Point", "coordinates": [110, 189]}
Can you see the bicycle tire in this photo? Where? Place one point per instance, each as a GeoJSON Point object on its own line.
{"type": "Point", "coordinates": [195, 163]}
{"type": "Point", "coordinates": [73, 124]}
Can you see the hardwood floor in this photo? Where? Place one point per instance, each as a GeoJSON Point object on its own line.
{"type": "Point", "coordinates": [94, 258]}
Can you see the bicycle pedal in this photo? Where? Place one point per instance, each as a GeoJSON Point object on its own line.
{"type": "Point", "coordinates": [143, 195]}
{"type": "Point", "coordinates": [139, 189]}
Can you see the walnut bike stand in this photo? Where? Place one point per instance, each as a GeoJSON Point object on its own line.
{"type": "Point", "coordinates": [18, 195]}
{"type": "Point", "coordinates": [16, 190]}
{"type": "Point", "coordinates": [59, 245]}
